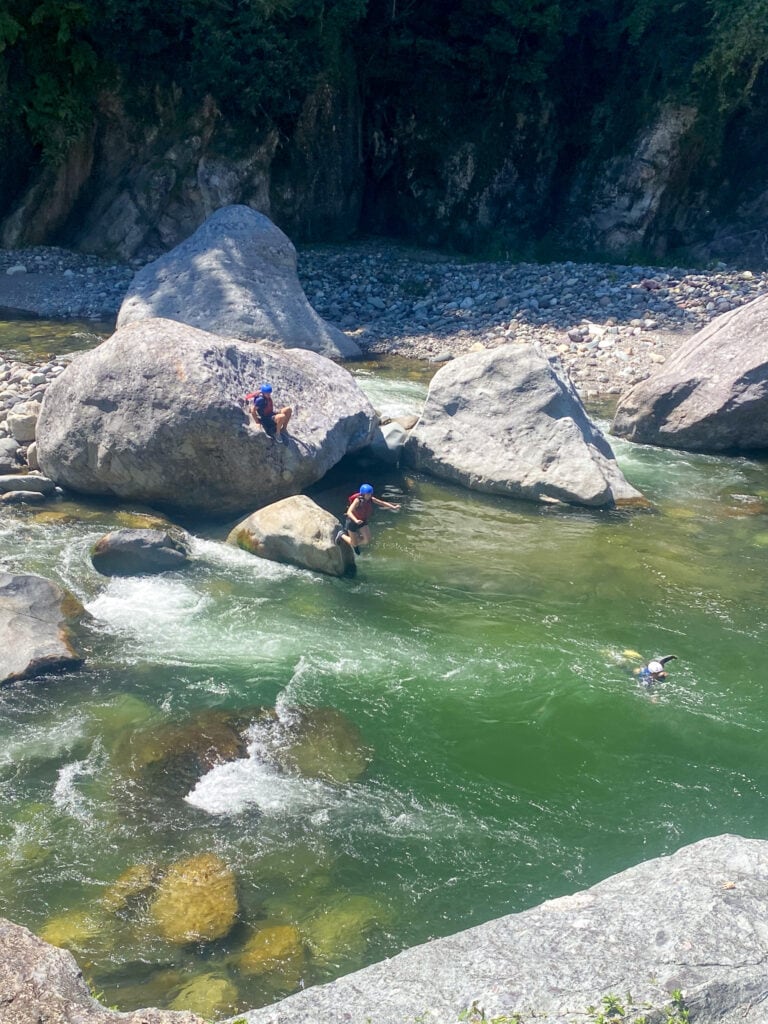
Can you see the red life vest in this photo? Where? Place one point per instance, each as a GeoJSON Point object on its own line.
{"type": "Point", "coordinates": [364, 510]}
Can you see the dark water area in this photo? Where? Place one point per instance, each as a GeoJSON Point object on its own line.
{"type": "Point", "coordinates": [483, 655]}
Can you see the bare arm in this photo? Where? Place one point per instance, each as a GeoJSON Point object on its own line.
{"type": "Point", "coordinates": [385, 504]}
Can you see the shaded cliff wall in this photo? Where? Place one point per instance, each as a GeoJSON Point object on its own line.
{"type": "Point", "coordinates": [536, 133]}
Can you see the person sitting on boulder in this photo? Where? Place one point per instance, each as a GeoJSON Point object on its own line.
{"type": "Point", "coordinates": [654, 671]}
{"type": "Point", "coordinates": [356, 532]}
{"type": "Point", "coordinates": [264, 413]}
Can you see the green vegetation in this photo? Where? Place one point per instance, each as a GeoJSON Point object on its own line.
{"type": "Point", "coordinates": [612, 1010]}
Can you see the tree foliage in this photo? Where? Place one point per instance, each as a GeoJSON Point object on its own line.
{"type": "Point", "coordinates": [593, 61]}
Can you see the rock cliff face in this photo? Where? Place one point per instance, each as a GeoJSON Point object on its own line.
{"type": "Point", "coordinates": [354, 161]}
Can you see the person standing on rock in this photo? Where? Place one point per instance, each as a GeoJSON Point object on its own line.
{"type": "Point", "coordinates": [356, 532]}
{"type": "Point", "coordinates": [274, 421]}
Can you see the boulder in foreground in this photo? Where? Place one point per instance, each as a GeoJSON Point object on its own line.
{"type": "Point", "coordinates": [235, 276]}
{"type": "Point", "coordinates": [36, 617]}
{"type": "Point", "coordinates": [41, 983]}
{"type": "Point", "coordinates": [693, 921]}
{"type": "Point", "coordinates": [505, 421]}
{"type": "Point", "coordinates": [711, 395]}
{"type": "Point", "coordinates": [155, 415]}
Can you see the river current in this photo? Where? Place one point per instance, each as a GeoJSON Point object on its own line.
{"type": "Point", "coordinates": [484, 651]}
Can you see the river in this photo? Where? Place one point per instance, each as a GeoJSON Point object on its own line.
{"type": "Point", "coordinates": [479, 651]}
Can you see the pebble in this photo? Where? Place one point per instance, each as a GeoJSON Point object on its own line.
{"type": "Point", "coordinates": [609, 325]}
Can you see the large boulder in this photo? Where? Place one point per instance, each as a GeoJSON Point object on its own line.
{"type": "Point", "coordinates": [36, 617]}
{"type": "Point", "coordinates": [155, 415]}
{"type": "Point", "coordinates": [235, 276]}
{"type": "Point", "coordinates": [41, 983]}
{"type": "Point", "coordinates": [140, 552]}
{"type": "Point", "coordinates": [505, 421]}
{"type": "Point", "coordinates": [712, 394]}
{"type": "Point", "coordinates": [694, 921]}
{"type": "Point", "coordinates": [295, 531]}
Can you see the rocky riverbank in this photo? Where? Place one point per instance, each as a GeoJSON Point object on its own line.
{"type": "Point", "coordinates": [609, 325]}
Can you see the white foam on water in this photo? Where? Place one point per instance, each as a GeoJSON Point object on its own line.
{"type": "Point", "coordinates": [41, 742]}
{"type": "Point", "coordinates": [141, 604]}
{"type": "Point", "coordinates": [66, 796]}
{"type": "Point", "coordinates": [234, 787]}
{"type": "Point", "coordinates": [233, 558]}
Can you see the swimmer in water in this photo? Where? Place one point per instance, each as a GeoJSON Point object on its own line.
{"type": "Point", "coordinates": [654, 671]}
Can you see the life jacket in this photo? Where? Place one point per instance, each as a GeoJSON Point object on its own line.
{"type": "Point", "coordinates": [365, 510]}
{"type": "Point", "coordinates": [264, 406]}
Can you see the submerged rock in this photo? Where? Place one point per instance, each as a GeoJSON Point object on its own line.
{"type": "Point", "coordinates": [210, 995]}
{"type": "Point", "coordinates": [169, 758]}
{"type": "Point", "coordinates": [139, 552]}
{"type": "Point", "coordinates": [135, 885]}
{"type": "Point", "coordinates": [155, 414]}
{"type": "Point", "coordinates": [274, 949]}
{"type": "Point", "coordinates": [235, 276]}
{"type": "Point", "coordinates": [196, 901]}
{"type": "Point", "coordinates": [505, 421]}
{"type": "Point", "coordinates": [341, 929]}
{"type": "Point", "coordinates": [295, 531]}
{"type": "Point", "coordinates": [36, 622]}
{"type": "Point", "coordinates": [318, 743]}
{"type": "Point", "coordinates": [711, 395]}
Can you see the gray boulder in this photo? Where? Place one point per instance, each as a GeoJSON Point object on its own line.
{"type": "Point", "coordinates": [712, 394]}
{"type": "Point", "coordinates": [504, 421]}
{"type": "Point", "coordinates": [235, 276]}
{"type": "Point", "coordinates": [387, 443]}
{"type": "Point", "coordinates": [694, 921]}
{"type": "Point", "coordinates": [139, 552]}
{"type": "Point", "coordinates": [9, 446]}
{"type": "Point", "coordinates": [40, 983]}
{"type": "Point", "coordinates": [36, 620]}
{"type": "Point", "coordinates": [155, 415]}
{"type": "Point", "coordinates": [295, 531]}
{"type": "Point", "coordinates": [27, 482]}
{"type": "Point", "coordinates": [22, 419]}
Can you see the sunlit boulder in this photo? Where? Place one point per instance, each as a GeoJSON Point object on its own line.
{"type": "Point", "coordinates": [295, 531]}
{"type": "Point", "coordinates": [711, 395]}
{"type": "Point", "coordinates": [507, 421]}
{"type": "Point", "coordinates": [37, 619]}
{"type": "Point", "coordinates": [128, 552]}
{"type": "Point", "coordinates": [235, 276]}
{"type": "Point", "coordinates": [317, 743]}
{"type": "Point", "coordinates": [196, 901]}
{"type": "Point", "coordinates": [155, 414]}
{"type": "Point", "coordinates": [73, 930]}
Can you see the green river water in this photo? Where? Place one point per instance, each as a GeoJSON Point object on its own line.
{"type": "Point", "coordinates": [479, 653]}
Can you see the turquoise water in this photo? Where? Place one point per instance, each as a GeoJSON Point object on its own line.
{"type": "Point", "coordinates": [479, 654]}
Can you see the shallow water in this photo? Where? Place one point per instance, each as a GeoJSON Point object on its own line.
{"type": "Point", "coordinates": [479, 653]}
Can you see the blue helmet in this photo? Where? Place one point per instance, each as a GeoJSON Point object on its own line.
{"type": "Point", "coordinates": [366, 489]}
{"type": "Point", "coordinates": [266, 389]}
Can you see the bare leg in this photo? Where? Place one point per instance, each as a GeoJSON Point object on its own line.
{"type": "Point", "coordinates": [364, 536]}
{"type": "Point", "coordinates": [283, 418]}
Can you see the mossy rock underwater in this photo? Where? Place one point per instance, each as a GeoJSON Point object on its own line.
{"type": "Point", "coordinates": [317, 743]}
{"type": "Point", "coordinates": [196, 901]}
{"type": "Point", "coordinates": [170, 758]}
{"type": "Point", "coordinates": [275, 949]}
{"type": "Point", "coordinates": [340, 930]}
{"type": "Point", "coordinates": [208, 995]}
{"type": "Point", "coordinates": [134, 886]}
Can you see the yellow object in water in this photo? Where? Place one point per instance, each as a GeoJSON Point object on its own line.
{"type": "Point", "coordinates": [632, 654]}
